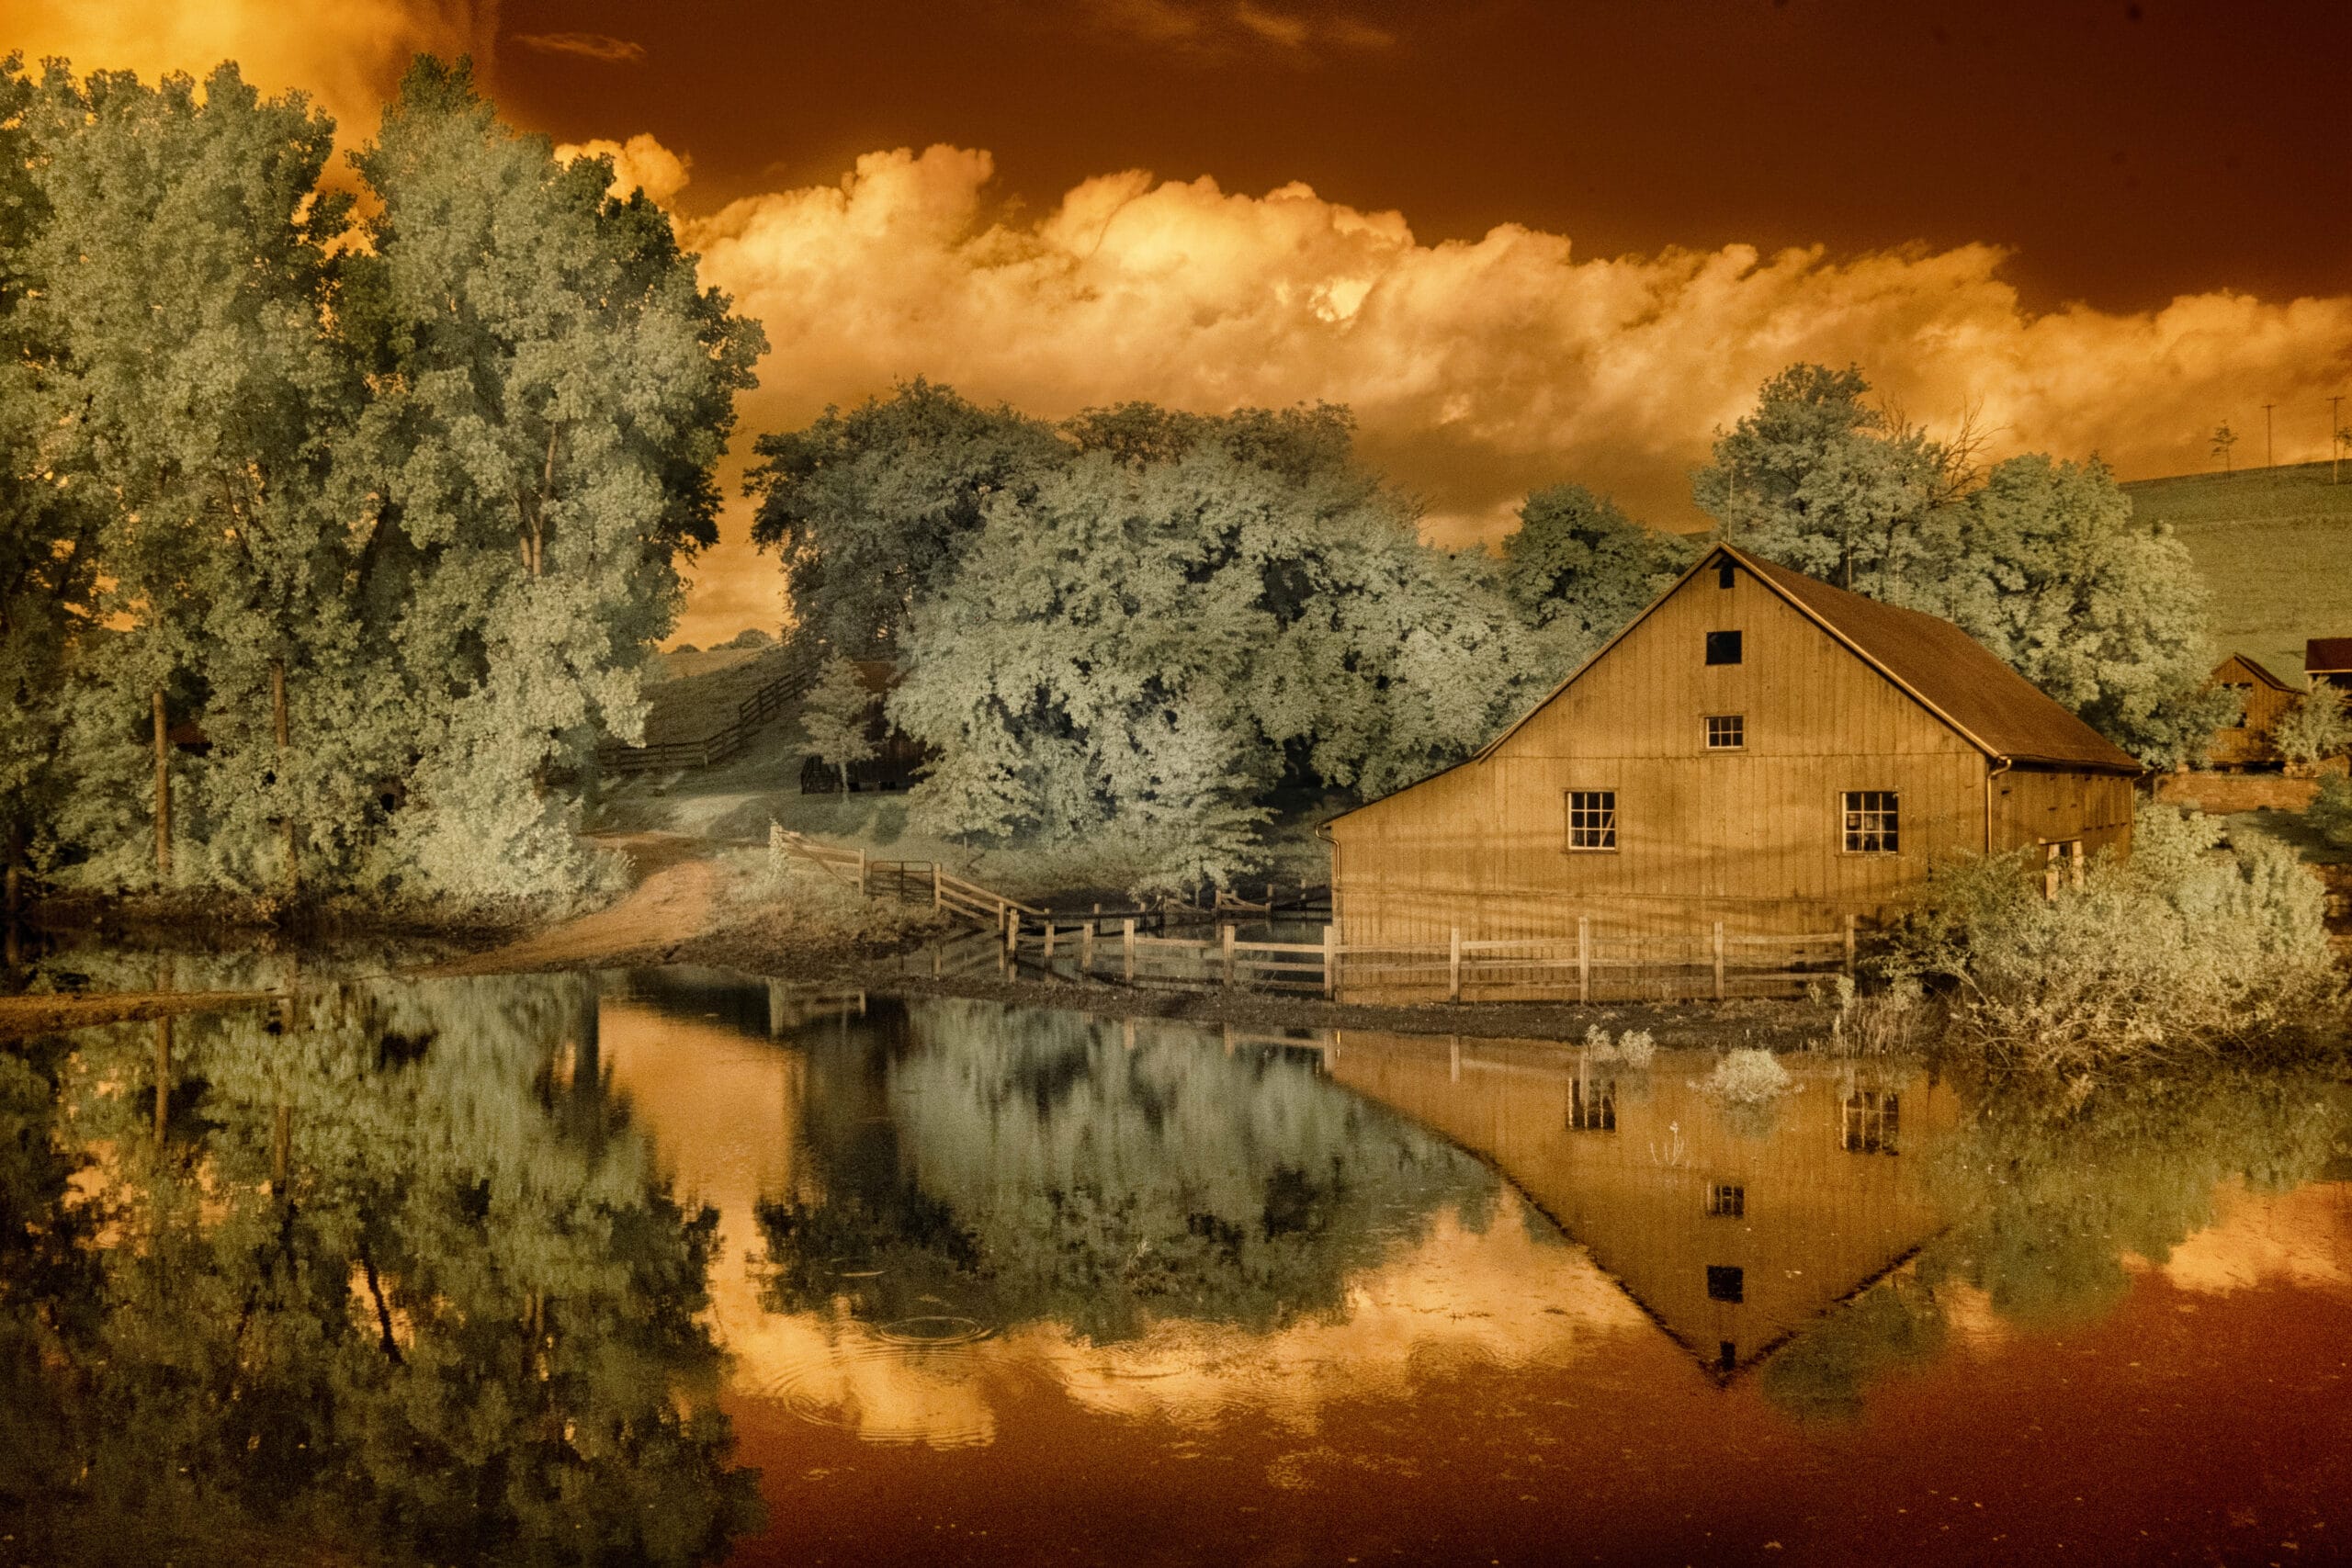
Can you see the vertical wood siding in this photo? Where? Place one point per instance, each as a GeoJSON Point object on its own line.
{"type": "Point", "coordinates": [1753, 837]}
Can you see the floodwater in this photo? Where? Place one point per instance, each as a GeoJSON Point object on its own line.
{"type": "Point", "coordinates": [673, 1268]}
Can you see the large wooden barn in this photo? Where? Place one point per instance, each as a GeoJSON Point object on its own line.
{"type": "Point", "coordinates": [1756, 748]}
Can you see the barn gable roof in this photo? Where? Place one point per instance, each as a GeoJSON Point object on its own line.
{"type": "Point", "coordinates": [2327, 656]}
{"type": "Point", "coordinates": [1940, 667]}
{"type": "Point", "coordinates": [2254, 666]}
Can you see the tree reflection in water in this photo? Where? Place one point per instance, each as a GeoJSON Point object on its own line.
{"type": "Point", "coordinates": [463, 1325]}
{"type": "Point", "coordinates": [2046, 1200]}
{"type": "Point", "coordinates": [1013, 1165]}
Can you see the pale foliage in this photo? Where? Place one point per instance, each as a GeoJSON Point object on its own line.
{"type": "Point", "coordinates": [2185, 948]}
{"type": "Point", "coordinates": [2038, 559]}
{"type": "Point", "coordinates": [2316, 726]}
{"type": "Point", "coordinates": [833, 715]}
{"type": "Point", "coordinates": [1748, 1076]}
{"type": "Point", "coordinates": [436, 468]}
{"type": "Point", "coordinates": [2330, 813]}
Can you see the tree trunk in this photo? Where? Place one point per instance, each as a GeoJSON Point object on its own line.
{"type": "Point", "coordinates": [286, 820]}
{"type": "Point", "coordinates": [163, 793]}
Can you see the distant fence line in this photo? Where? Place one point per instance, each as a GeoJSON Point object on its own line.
{"type": "Point", "coordinates": [799, 671]}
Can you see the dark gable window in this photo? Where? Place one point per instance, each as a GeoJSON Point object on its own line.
{"type": "Point", "coordinates": [1723, 571]}
{"type": "Point", "coordinates": [1723, 647]}
{"type": "Point", "coordinates": [1726, 1284]}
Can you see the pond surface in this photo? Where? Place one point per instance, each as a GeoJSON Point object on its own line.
{"type": "Point", "coordinates": [673, 1268]}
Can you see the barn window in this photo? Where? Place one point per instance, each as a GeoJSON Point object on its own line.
{"type": "Point", "coordinates": [1869, 1122]}
{"type": "Point", "coordinates": [1872, 826]}
{"type": "Point", "coordinates": [1725, 1200]}
{"type": "Point", "coordinates": [1723, 647]}
{"type": "Point", "coordinates": [1592, 1108]}
{"type": "Point", "coordinates": [1723, 571]}
{"type": "Point", "coordinates": [1592, 818]}
{"type": "Point", "coordinates": [1726, 731]}
{"type": "Point", "coordinates": [1726, 1284]}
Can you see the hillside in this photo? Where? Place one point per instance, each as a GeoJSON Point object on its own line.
{"type": "Point", "coordinates": [2275, 546]}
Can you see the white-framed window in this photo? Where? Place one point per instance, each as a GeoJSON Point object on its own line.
{"type": "Point", "coordinates": [1873, 822]}
{"type": "Point", "coordinates": [1726, 731]}
{"type": "Point", "coordinates": [1592, 820]}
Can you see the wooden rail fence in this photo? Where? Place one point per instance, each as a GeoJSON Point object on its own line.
{"type": "Point", "coordinates": [1592, 967]}
{"type": "Point", "coordinates": [617, 757]}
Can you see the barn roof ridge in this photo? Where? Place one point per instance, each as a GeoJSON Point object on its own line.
{"type": "Point", "coordinates": [2257, 666]}
{"type": "Point", "coordinates": [2019, 709]}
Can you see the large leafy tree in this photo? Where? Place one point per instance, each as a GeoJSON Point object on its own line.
{"type": "Point", "coordinates": [2038, 559]}
{"type": "Point", "coordinates": [550, 391]}
{"type": "Point", "coordinates": [384, 512]}
{"type": "Point", "coordinates": [1140, 649]}
{"type": "Point", "coordinates": [1577, 570]}
{"type": "Point", "coordinates": [871, 511]}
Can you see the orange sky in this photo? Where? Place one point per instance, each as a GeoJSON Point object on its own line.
{"type": "Point", "coordinates": [1526, 242]}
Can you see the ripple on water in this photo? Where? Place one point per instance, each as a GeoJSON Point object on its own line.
{"type": "Point", "coordinates": [915, 1380]}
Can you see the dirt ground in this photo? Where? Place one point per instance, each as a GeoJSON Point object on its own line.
{"type": "Point", "coordinates": [673, 902]}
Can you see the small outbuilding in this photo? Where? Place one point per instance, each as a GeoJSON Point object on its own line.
{"type": "Point", "coordinates": [1757, 748]}
{"type": "Point", "coordinates": [2328, 662]}
{"type": "Point", "coordinates": [2265, 698]}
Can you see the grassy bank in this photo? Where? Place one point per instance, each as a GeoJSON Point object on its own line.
{"type": "Point", "coordinates": [2275, 546]}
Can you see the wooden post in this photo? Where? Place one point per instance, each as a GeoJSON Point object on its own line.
{"type": "Point", "coordinates": [1228, 1040]}
{"type": "Point", "coordinates": [1050, 923]}
{"type": "Point", "coordinates": [278, 714]}
{"type": "Point", "coordinates": [1584, 958]}
{"type": "Point", "coordinates": [935, 904]}
{"type": "Point", "coordinates": [1849, 944]}
{"type": "Point", "coordinates": [1127, 1034]}
{"type": "Point", "coordinates": [861, 874]}
{"type": "Point", "coordinates": [1330, 961]}
{"type": "Point", "coordinates": [1453, 964]}
{"type": "Point", "coordinates": [163, 1076]}
{"type": "Point", "coordinates": [1127, 947]}
{"type": "Point", "coordinates": [1453, 1069]}
{"type": "Point", "coordinates": [1086, 947]}
{"type": "Point", "coordinates": [163, 791]}
{"type": "Point", "coordinates": [1719, 961]}
{"type": "Point", "coordinates": [1011, 927]}
{"type": "Point", "coordinates": [1225, 947]}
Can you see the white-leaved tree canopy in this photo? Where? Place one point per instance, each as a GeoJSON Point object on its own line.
{"type": "Point", "coordinates": [2039, 559]}
{"type": "Point", "coordinates": [383, 520]}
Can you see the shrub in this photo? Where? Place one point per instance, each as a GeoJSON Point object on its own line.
{"type": "Point", "coordinates": [2183, 949]}
{"type": "Point", "coordinates": [2314, 728]}
{"type": "Point", "coordinates": [1634, 1048]}
{"type": "Point", "coordinates": [1748, 1076]}
{"type": "Point", "coordinates": [2330, 813]}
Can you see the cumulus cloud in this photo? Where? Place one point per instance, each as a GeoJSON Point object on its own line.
{"type": "Point", "coordinates": [348, 55]}
{"type": "Point", "coordinates": [641, 163]}
{"type": "Point", "coordinates": [1477, 367]}
{"type": "Point", "coordinates": [602, 47]}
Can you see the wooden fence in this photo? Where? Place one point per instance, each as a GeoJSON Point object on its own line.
{"type": "Point", "coordinates": [906, 881]}
{"type": "Point", "coordinates": [615, 756]}
{"type": "Point", "coordinates": [1595, 966]}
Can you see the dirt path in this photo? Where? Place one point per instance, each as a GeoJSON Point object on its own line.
{"type": "Point", "coordinates": [671, 904]}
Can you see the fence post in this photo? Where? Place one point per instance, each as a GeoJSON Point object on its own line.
{"type": "Point", "coordinates": [1849, 944]}
{"type": "Point", "coordinates": [1011, 928]}
{"type": "Point", "coordinates": [1225, 947]}
{"type": "Point", "coordinates": [1086, 948]}
{"type": "Point", "coordinates": [1453, 964]}
{"type": "Point", "coordinates": [1127, 947]}
{"type": "Point", "coordinates": [1330, 961]}
{"type": "Point", "coordinates": [936, 903]}
{"type": "Point", "coordinates": [1719, 961]}
{"type": "Point", "coordinates": [1049, 922]}
{"type": "Point", "coordinates": [1584, 958]}
{"type": "Point", "coordinates": [861, 874]}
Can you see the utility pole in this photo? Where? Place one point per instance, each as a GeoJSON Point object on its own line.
{"type": "Point", "coordinates": [2336, 439]}
{"type": "Point", "coordinates": [2269, 462]}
